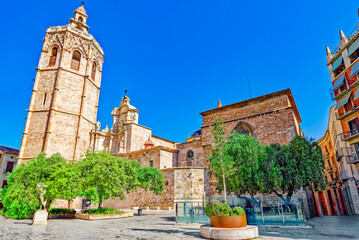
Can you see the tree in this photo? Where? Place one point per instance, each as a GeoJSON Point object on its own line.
{"type": "Point", "coordinates": [65, 182]}
{"type": "Point", "coordinates": [218, 164]}
{"type": "Point", "coordinates": [300, 164]}
{"type": "Point", "coordinates": [20, 197]}
{"type": "Point", "coordinates": [105, 176]}
{"type": "Point", "coordinates": [246, 155]}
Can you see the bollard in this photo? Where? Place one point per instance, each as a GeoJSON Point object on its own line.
{"type": "Point", "coordinates": [139, 212]}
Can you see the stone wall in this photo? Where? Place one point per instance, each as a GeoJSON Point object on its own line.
{"type": "Point", "coordinates": [272, 120]}
{"type": "Point", "coordinates": [198, 158]}
{"type": "Point", "coordinates": [137, 135]}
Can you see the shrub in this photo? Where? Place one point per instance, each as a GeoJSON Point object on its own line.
{"type": "Point", "coordinates": [238, 211]}
{"type": "Point", "coordinates": [103, 211]}
{"type": "Point", "coordinates": [61, 211]}
{"type": "Point", "coordinates": [218, 208]}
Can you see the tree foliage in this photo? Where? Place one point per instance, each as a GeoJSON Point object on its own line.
{"type": "Point", "coordinates": [218, 163]}
{"type": "Point", "coordinates": [246, 155]}
{"type": "Point", "coordinates": [20, 197]}
{"type": "Point", "coordinates": [299, 164]}
{"type": "Point", "coordinates": [98, 176]}
{"type": "Point", "coordinates": [105, 176]}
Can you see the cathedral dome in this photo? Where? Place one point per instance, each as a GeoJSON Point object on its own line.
{"type": "Point", "coordinates": [196, 133]}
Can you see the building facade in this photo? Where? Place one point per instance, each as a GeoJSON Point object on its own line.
{"type": "Point", "coordinates": [339, 198]}
{"type": "Point", "coordinates": [343, 65]}
{"type": "Point", "coordinates": [8, 161]}
{"type": "Point", "coordinates": [64, 101]}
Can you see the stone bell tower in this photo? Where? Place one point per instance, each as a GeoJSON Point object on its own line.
{"type": "Point", "coordinates": [64, 101]}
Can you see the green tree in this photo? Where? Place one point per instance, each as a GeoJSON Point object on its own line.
{"type": "Point", "coordinates": [105, 176]}
{"type": "Point", "coordinates": [65, 182]}
{"type": "Point", "coordinates": [20, 197]}
{"type": "Point", "coordinates": [300, 164]}
{"type": "Point", "coordinates": [219, 165]}
{"type": "Point", "coordinates": [246, 155]}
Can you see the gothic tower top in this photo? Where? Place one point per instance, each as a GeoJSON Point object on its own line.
{"type": "Point", "coordinates": [79, 21]}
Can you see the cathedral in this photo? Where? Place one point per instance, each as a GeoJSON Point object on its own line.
{"type": "Point", "coordinates": [62, 118]}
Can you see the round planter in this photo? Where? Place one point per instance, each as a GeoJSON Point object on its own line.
{"type": "Point", "coordinates": [228, 221]}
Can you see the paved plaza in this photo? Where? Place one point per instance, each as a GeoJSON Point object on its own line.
{"type": "Point", "coordinates": [160, 225]}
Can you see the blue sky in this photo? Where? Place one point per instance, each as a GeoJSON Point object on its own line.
{"type": "Point", "coordinates": [176, 58]}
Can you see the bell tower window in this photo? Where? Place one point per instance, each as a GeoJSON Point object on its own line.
{"type": "Point", "coordinates": [53, 56]}
{"type": "Point", "coordinates": [190, 158]}
{"type": "Point", "coordinates": [80, 19]}
{"type": "Point", "coordinates": [93, 72]}
{"type": "Point", "coordinates": [75, 62]}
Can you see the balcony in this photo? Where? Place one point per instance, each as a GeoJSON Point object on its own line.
{"type": "Point", "coordinates": [349, 135]}
{"type": "Point", "coordinates": [353, 158]}
{"type": "Point", "coordinates": [343, 115]}
{"type": "Point", "coordinates": [353, 83]}
{"type": "Point", "coordinates": [339, 95]}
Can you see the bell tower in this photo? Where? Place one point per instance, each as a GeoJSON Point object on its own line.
{"type": "Point", "coordinates": [64, 101]}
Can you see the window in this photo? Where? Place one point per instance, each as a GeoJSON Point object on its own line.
{"type": "Point", "coordinates": [353, 126]}
{"type": "Point", "coordinates": [53, 57]}
{"type": "Point", "coordinates": [80, 19]}
{"type": "Point", "coordinates": [244, 128]}
{"type": "Point", "coordinates": [93, 72]}
{"type": "Point", "coordinates": [9, 167]}
{"type": "Point", "coordinates": [75, 62]}
{"type": "Point", "coordinates": [4, 183]}
{"type": "Point", "coordinates": [151, 163]}
{"type": "Point", "coordinates": [339, 69]}
{"type": "Point", "coordinates": [190, 158]}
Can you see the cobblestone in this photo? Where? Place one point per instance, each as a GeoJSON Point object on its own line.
{"type": "Point", "coordinates": [160, 225]}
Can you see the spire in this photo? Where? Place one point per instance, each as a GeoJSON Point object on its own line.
{"type": "Point", "coordinates": [219, 104]}
{"type": "Point", "coordinates": [80, 18]}
{"type": "Point", "coordinates": [328, 51]}
{"type": "Point", "coordinates": [342, 36]}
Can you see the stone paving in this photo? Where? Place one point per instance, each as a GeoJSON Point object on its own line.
{"type": "Point", "coordinates": [160, 225]}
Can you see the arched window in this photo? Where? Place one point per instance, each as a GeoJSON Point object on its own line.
{"type": "Point", "coordinates": [80, 19]}
{"type": "Point", "coordinates": [244, 128]}
{"type": "Point", "coordinates": [190, 158]}
{"type": "Point", "coordinates": [53, 56]}
{"type": "Point", "coordinates": [93, 72]}
{"type": "Point", "coordinates": [75, 62]}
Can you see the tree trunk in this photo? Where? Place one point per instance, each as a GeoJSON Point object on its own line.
{"type": "Point", "coordinates": [224, 188]}
{"type": "Point", "coordinates": [68, 204]}
{"type": "Point", "coordinates": [101, 201]}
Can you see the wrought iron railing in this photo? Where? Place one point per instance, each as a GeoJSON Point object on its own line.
{"type": "Point", "coordinates": [349, 134]}
{"type": "Point", "coordinates": [350, 36]}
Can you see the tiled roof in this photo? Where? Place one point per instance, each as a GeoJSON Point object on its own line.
{"type": "Point", "coordinates": [9, 150]}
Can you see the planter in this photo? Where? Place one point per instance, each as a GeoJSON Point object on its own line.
{"type": "Point", "coordinates": [228, 221]}
{"type": "Point", "coordinates": [61, 215]}
{"type": "Point", "coordinates": [87, 216]}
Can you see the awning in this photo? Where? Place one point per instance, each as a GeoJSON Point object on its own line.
{"type": "Point", "coordinates": [355, 70]}
{"type": "Point", "coordinates": [342, 102]}
{"type": "Point", "coordinates": [337, 63]}
{"type": "Point", "coordinates": [353, 47]}
{"type": "Point", "coordinates": [356, 94]}
{"type": "Point", "coordinates": [339, 82]}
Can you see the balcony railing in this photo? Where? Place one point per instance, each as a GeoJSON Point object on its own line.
{"type": "Point", "coordinates": [339, 94]}
{"type": "Point", "coordinates": [353, 83]}
{"type": "Point", "coordinates": [344, 114]}
{"type": "Point", "coordinates": [350, 36]}
{"type": "Point", "coordinates": [347, 152]}
{"type": "Point", "coordinates": [349, 135]}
